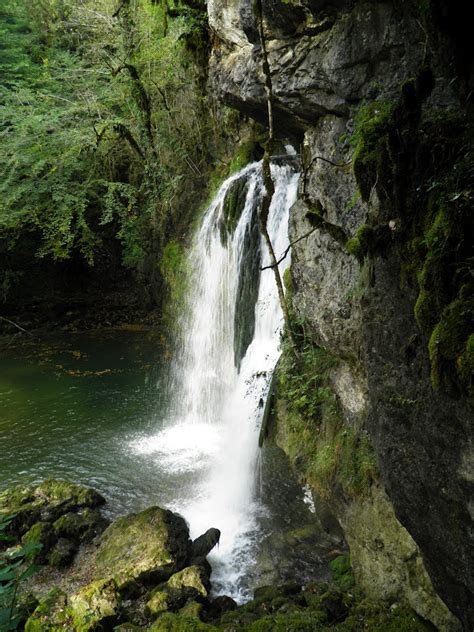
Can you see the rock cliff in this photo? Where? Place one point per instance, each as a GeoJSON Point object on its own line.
{"type": "Point", "coordinates": [378, 97]}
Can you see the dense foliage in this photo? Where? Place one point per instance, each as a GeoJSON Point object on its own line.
{"type": "Point", "coordinates": [102, 125]}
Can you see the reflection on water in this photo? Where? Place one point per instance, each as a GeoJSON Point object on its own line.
{"type": "Point", "coordinates": [70, 407]}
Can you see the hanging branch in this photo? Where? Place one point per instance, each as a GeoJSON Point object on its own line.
{"type": "Point", "coordinates": [285, 254]}
{"type": "Point", "coordinates": [267, 176]}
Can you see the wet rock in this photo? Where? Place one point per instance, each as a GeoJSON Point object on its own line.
{"type": "Point", "coordinates": [204, 544]}
{"type": "Point", "coordinates": [149, 546]}
{"type": "Point", "coordinates": [95, 606]}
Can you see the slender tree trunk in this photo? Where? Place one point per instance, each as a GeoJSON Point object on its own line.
{"type": "Point", "coordinates": [267, 176]}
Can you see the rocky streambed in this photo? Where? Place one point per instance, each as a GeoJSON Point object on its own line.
{"type": "Point", "coordinates": [143, 572]}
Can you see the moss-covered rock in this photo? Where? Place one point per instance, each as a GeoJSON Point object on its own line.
{"type": "Point", "coordinates": [52, 614]}
{"type": "Point", "coordinates": [81, 526]}
{"type": "Point", "coordinates": [191, 577]}
{"type": "Point", "coordinates": [382, 618]}
{"type": "Point", "coordinates": [44, 503]}
{"type": "Point", "coordinates": [40, 533]}
{"type": "Point", "coordinates": [150, 545]}
{"type": "Point", "coordinates": [160, 601]}
{"type": "Point", "coordinates": [192, 609]}
{"type": "Point", "coordinates": [95, 606]}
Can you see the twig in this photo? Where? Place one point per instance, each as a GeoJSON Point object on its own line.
{"type": "Point", "coordinates": [285, 254]}
{"type": "Point", "coordinates": [7, 320]}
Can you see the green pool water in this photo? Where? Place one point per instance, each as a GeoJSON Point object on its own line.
{"type": "Point", "coordinates": [70, 408]}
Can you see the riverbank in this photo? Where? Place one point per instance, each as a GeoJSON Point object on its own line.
{"type": "Point", "coordinates": [144, 573]}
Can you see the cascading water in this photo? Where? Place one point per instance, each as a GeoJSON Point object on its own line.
{"type": "Point", "coordinates": [222, 369]}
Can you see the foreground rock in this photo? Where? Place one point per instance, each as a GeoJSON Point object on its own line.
{"type": "Point", "coordinates": [149, 546]}
{"type": "Point", "coordinates": [56, 514]}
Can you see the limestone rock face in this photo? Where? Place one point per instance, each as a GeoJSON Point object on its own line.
{"type": "Point", "coordinates": [152, 544]}
{"type": "Point", "coordinates": [321, 58]}
{"type": "Point", "coordinates": [327, 58]}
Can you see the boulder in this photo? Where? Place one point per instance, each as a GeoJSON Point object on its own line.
{"type": "Point", "coordinates": [41, 533]}
{"type": "Point", "coordinates": [191, 577]}
{"type": "Point", "coordinates": [44, 503]}
{"type": "Point", "coordinates": [149, 546]}
{"type": "Point", "coordinates": [51, 615]}
{"type": "Point", "coordinates": [95, 606]}
{"type": "Point", "coordinates": [204, 544]}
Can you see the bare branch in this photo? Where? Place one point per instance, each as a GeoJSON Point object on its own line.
{"type": "Point", "coordinates": [285, 254]}
{"type": "Point", "coordinates": [7, 320]}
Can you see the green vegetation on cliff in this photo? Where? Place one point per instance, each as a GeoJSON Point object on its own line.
{"type": "Point", "coordinates": [327, 452]}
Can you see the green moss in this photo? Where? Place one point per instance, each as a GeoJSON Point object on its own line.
{"type": "Point", "coordinates": [449, 338]}
{"type": "Point", "coordinates": [52, 614]}
{"type": "Point", "coordinates": [170, 622]}
{"type": "Point", "coordinates": [342, 571]}
{"type": "Point", "coordinates": [375, 617]}
{"type": "Point", "coordinates": [151, 544]}
{"type": "Point", "coordinates": [40, 533]}
{"type": "Point", "coordinates": [339, 455]}
{"type": "Point", "coordinates": [246, 152]}
{"type": "Point", "coordinates": [233, 206]}
{"type": "Point", "coordinates": [370, 125]}
{"type": "Point", "coordinates": [174, 268]}
{"type": "Point", "coordinates": [361, 243]}
{"type": "Point", "coordinates": [347, 459]}
{"type": "Point", "coordinates": [304, 621]}
{"type": "Point", "coordinates": [190, 577]}
{"type": "Point", "coordinates": [160, 601]}
{"type": "Point", "coordinates": [95, 606]}
{"type": "Point", "coordinates": [466, 366]}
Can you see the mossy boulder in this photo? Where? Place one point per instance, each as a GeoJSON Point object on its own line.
{"type": "Point", "coordinates": [44, 503]}
{"type": "Point", "coordinates": [95, 606]}
{"type": "Point", "coordinates": [149, 546]}
{"type": "Point", "coordinates": [160, 601]}
{"type": "Point", "coordinates": [52, 614]}
{"type": "Point", "coordinates": [81, 526]}
{"type": "Point", "coordinates": [191, 577]}
{"type": "Point", "coordinates": [40, 533]}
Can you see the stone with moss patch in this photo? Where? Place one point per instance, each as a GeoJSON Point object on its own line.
{"type": "Point", "coordinates": [44, 503]}
{"type": "Point", "coordinates": [191, 577]}
{"type": "Point", "coordinates": [52, 614]}
{"type": "Point", "coordinates": [95, 606]}
{"type": "Point", "coordinates": [150, 545]}
{"type": "Point", "coordinates": [40, 533]}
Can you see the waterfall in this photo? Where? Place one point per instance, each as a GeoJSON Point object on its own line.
{"type": "Point", "coordinates": [222, 369]}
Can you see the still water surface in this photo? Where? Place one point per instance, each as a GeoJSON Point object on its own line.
{"type": "Point", "coordinates": [70, 407]}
